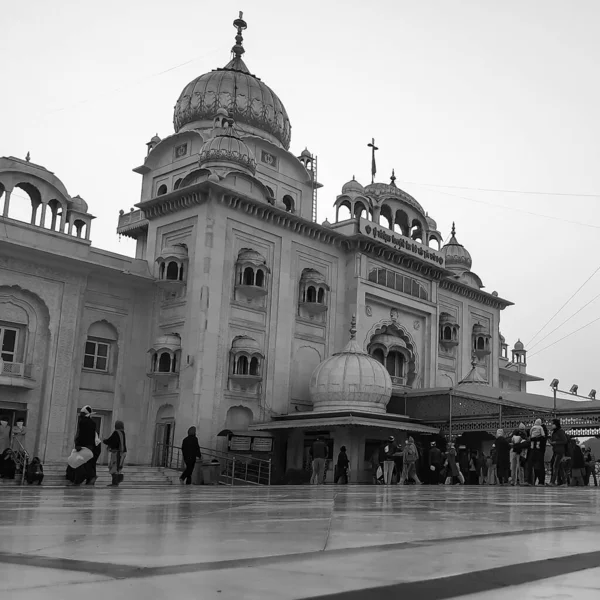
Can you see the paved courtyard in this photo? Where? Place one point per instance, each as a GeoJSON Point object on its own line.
{"type": "Point", "coordinates": [300, 542]}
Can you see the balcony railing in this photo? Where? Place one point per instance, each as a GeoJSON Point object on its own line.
{"type": "Point", "coordinates": [16, 370]}
{"type": "Point", "coordinates": [131, 222]}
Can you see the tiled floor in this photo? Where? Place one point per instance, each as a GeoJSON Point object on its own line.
{"type": "Point", "coordinates": [300, 542]}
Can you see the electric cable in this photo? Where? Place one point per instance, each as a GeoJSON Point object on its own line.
{"type": "Point", "coordinates": [565, 321]}
{"type": "Point", "coordinates": [565, 337]}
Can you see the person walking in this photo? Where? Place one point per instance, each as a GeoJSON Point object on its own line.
{"type": "Point", "coordinates": [410, 458]}
{"type": "Point", "coordinates": [388, 449]}
{"type": "Point", "coordinates": [190, 449]}
{"type": "Point", "coordinates": [492, 465]}
{"type": "Point", "coordinates": [481, 467]}
{"type": "Point", "coordinates": [117, 446]}
{"type": "Point", "coordinates": [558, 441]}
{"type": "Point", "coordinates": [577, 464]}
{"type": "Point", "coordinates": [503, 457]}
{"type": "Point", "coordinates": [85, 438]}
{"type": "Point", "coordinates": [435, 464]}
{"type": "Point", "coordinates": [590, 466]}
{"type": "Point", "coordinates": [473, 474]}
{"type": "Point", "coordinates": [4, 434]}
{"type": "Point", "coordinates": [453, 473]}
{"type": "Point", "coordinates": [517, 444]}
{"type": "Point", "coordinates": [343, 466]}
{"type": "Point", "coordinates": [319, 453]}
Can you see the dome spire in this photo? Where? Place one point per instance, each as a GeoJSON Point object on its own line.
{"type": "Point", "coordinates": [453, 229]}
{"type": "Point", "coordinates": [240, 25]}
{"type": "Point", "coordinates": [353, 328]}
{"type": "Point", "coordinates": [393, 178]}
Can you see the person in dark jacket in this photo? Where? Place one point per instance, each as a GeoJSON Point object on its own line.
{"type": "Point", "coordinates": [558, 441]}
{"type": "Point", "coordinates": [502, 458]}
{"type": "Point", "coordinates": [8, 466]}
{"type": "Point", "coordinates": [577, 464]}
{"type": "Point", "coordinates": [342, 467]}
{"type": "Point", "coordinates": [190, 449]}
{"type": "Point", "coordinates": [117, 445]}
{"type": "Point", "coordinates": [535, 455]}
{"type": "Point", "coordinates": [85, 437]}
{"type": "Point", "coordinates": [35, 472]}
{"type": "Point", "coordinates": [386, 457]}
{"type": "Point", "coordinates": [436, 461]}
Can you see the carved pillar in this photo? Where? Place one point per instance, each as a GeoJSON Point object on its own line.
{"type": "Point", "coordinates": [88, 226]}
{"type": "Point", "coordinates": [7, 194]}
{"type": "Point", "coordinates": [43, 217]}
{"type": "Point", "coordinates": [63, 219]}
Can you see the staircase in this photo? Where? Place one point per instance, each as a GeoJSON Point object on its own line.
{"type": "Point", "coordinates": [135, 476]}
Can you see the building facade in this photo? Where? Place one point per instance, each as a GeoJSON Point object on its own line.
{"type": "Point", "coordinates": [236, 296]}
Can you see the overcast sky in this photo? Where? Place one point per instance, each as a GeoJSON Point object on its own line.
{"type": "Point", "coordinates": [458, 95]}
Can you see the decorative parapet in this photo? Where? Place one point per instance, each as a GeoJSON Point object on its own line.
{"type": "Point", "coordinates": [131, 224]}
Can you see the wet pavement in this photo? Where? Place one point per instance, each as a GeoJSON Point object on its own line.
{"type": "Point", "coordinates": [300, 542]}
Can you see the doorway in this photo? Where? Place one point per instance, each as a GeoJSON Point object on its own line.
{"type": "Point", "coordinates": [164, 434]}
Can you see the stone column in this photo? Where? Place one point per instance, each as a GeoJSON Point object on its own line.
{"type": "Point", "coordinates": [43, 217]}
{"type": "Point", "coordinates": [7, 194]}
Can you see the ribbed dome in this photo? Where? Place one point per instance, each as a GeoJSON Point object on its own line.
{"type": "Point", "coordinates": [352, 187]}
{"type": "Point", "coordinates": [350, 379]}
{"type": "Point", "coordinates": [457, 257]}
{"type": "Point", "coordinates": [247, 99]}
{"type": "Point", "coordinates": [519, 345]}
{"type": "Point", "coordinates": [227, 148]}
{"type": "Point", "coordinates": [77, 203]}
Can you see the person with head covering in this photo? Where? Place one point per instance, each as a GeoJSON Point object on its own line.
{"type": "Point", "coordinates": [410, 458]}
{"type": "Point", "coordinates": [388, 449]}
{"type": "Point", "coordinates": [85, 437]}
{"type": "Point", "coordinates": [117, 446]}
{"type": "Point", "coordinates": [190, 449]}
{"type": "Point", "coordinates": [319, 454]}
{"type": "Point", "coordinates": [453, 474]}
{"type": "Point", "coordinates": [35, 472]}
{"type": "Point", "coordinates": [535, 469]}
{"type": "Point", "coordinates": [558, 441]}
{"type": "Point", "coordinates": [4, 433]}
{"type": "Point", "coordinates": [492, 465]}
{"type": "Point", "coordinates": [518, 443]}
{"type": "Point", "coordinates": [577, 464]}
{"type": "Point", "coordinates": [343, 466]}
{"type": "Point", "coordinates": [503, 457]}
{"type": "Point", "coordinates": [435, 464]}
{"type": "Point", "coordinates": [590, 465]}
{"type": "Point", "coordinates": [8, 466]}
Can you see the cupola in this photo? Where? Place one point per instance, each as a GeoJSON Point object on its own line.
{"type": "Point", "coordinates": [457, 257]}
{"type": "Point", "coordinates": [350, 379]}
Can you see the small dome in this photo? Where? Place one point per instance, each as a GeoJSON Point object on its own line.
{"type": "Point", "coordinates": [227, 149]}
{"type": "Point", "coordinates": [478, 328]}
{"type": "Point", "coordinates": [246, 344]}
{"type": "Point", "coordinates": [350, 379]}
{"type": "Point", "coordinates": [177, 252]}
{"type": "Point", "coordinates": [446, 318]}
{"type": "Point", "coordinates": [78, 204]}
{"type": "Point", "coordinates": [312, 275]}
{"type": "Point", "coordinates": [249, 255]}
{"type": "Point", "coordinates": [306, 153]}
{"type": "Point", "coordinates": [430, 222]}
{"type": "Point", "coordinates": [352, 187]}
{"type": "Point", "coordinates": [519, 345]}
{"type": "Point", "coordinates": [171, 341]}
{"type": "Point", "coordinates": [155, 139]}
{"type": "Point", "coordinates": [457, 257]}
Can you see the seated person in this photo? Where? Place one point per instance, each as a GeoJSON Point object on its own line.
{"type": "Point", "coordinates": [35, 471]}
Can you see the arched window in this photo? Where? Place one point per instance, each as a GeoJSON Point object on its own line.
{"type": "Point", "coordinates": [241, 365]}
{"type": "Point", "coordinates": [162, 190]}
{"type": "Point", "coordinates": [260, 278]}
{"type": "Point", "coordinates": [321, 296]}
{"type": "Point", "coordinates": [379, 355]}
{"type": "Point", "coordinates": [394, 363]}
{"type": "Point", "coordinates": [311, 294]}
{"type": "Point", "coordinates": [288, 202]}
{"type": "Point", "coordinates": [480, 343]}
{"type": "Point", "coordinates": [254, 366]}
{"type": "Point", "coordinates": [177, 184]}
{"type": "Point", "coordinates": [164, 363]}
{"type": "Point", "coordinates": [173, 271]}
{"type": "Point", "coordinates": [248, 276]}
{"type": "Point", "coordinates": [447, 332]}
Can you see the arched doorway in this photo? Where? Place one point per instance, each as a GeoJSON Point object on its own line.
{"type": "Point", "coordinates": [164, 434]}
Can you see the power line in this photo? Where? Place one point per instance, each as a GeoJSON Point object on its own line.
{"type": "Point", "coordinates": [566, 321]}
{"type": "Point", "coordinates": [477, 189]}
{"type": "Point", "coordinates": [567, 302]}
{"type": "Point", "coordinates": [509, 208]}
{"type": "Point", "coordinates": [565, 337]}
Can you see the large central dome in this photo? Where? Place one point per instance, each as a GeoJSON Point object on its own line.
{"type": "Point", "coordinates": [253, 104]}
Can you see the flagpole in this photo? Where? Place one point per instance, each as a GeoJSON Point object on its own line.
{"type": "Point", "coordinates": [373, 165]}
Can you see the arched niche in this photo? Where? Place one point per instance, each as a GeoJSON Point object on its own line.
{"type": "Point", "coordinates": [238, 418]}
{"type": "Point", "coordinates": [306, 360]}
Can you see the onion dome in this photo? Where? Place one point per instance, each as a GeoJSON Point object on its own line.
{"type": "Point", "coordinates": [519, 346]}
{"type": "Point", "coordinates": [78, 204]}
{"type": "Point", "coordinates": [252, 103]}
{"type": "Point", "coordinates": [227, 148]}
{"type": "Point", "coordinates": [352, 187]}
{"type": "Point", "coordinates": [430, 222]}
{"type": "Point", "coordinates": [478, 328]}
{"type": "Point", "coordinates": [350, 379]}
{"type": "Point", "coordinates": [456, 256]}
{"type": "Point", "coordinates": [306, 153]}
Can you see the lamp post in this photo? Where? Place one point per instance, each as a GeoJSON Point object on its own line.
{"type": "Point", "coordinates": [554, 386]}
{"type": "Point", "coordinates": [450, 390]}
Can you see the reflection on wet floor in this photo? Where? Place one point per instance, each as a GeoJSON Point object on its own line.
{"type": "Point", "coordinates": [351, 537]}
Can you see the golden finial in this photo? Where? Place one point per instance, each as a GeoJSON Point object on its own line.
{"type": "Point", "coordinates": [240, 25]}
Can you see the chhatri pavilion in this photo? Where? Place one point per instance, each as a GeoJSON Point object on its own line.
{"type": "Point", "coordinates": [243, 315]}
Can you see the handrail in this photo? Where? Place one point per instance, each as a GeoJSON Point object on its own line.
{"type": "Point", "coordinates": [234, 467]}
{"type": "Point", "coordinates": [22, 458]}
